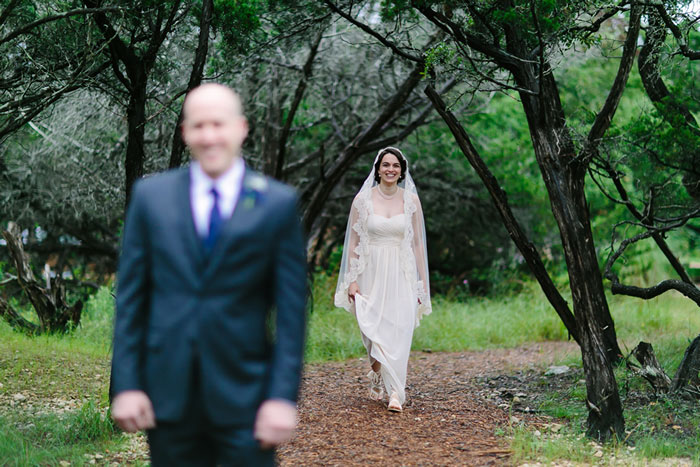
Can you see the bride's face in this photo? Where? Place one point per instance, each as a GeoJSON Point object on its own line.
{"type": "Point", "coordinates": [389, 169]}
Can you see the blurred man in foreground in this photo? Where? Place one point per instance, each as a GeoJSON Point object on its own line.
{"type": "Point", "coordinates": [207, 252]}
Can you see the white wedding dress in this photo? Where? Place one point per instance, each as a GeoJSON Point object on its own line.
{"type": "Point", "coordinates": [386, 310]}
{"type": "Point", "coordinates": [387, 257]}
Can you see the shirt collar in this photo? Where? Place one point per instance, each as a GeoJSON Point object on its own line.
{"type": "Point", "coordinates": [227, 184]}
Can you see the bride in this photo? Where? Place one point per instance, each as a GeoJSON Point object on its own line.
{"type": "Point", "coordinates": [383, 275]}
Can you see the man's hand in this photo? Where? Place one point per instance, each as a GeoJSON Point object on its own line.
{"type": "Point", "coordinates": [132, 410]}
{"type": "Point", "coordinates": [275, 422]}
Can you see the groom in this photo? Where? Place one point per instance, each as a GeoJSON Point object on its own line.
{"type": "Point", "coordinates": [201, 360]}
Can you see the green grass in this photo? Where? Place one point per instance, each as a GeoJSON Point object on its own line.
{"type": "Point", "coordinates": [669, 322]}
{"type": "Point", "coordinates": [528, 444]}
{"type": "Point", "coordinates": [45, 439]}
{"type": "Point", "coordinates": [665, 431]}
{"type": "Point", "coordinates": [64, 381]}
{"type": "Point", "coordinates": [476, 324]}
{"type": "Point", "coordinates": [569, 445]}
{"type": "Point", "coordinates": [662, 429]}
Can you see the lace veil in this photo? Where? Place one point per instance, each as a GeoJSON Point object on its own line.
{"type": "Point", "coordinates": [413, 255]}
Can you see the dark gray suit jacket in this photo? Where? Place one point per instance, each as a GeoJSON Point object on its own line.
{"type": "Point", "coordinates": [177, 305]}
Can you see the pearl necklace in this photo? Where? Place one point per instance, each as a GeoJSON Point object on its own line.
{"type": "Point", "coordinates": [392, 196]}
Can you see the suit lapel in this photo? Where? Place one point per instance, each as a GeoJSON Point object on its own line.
{"type": "Point", "coordinates": [193, 244]}
{"type": "Point", "coordinates": [249, 195]}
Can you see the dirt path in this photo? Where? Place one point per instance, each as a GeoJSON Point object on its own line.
{"type": "Point", "coordinates": [449, 419]}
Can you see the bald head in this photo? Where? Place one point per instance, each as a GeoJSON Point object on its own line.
{"type": "Point", "coordinates": [213, 127]}
{"type": "Point", "coordinates": [213, 94]}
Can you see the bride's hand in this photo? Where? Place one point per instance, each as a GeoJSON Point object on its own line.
{"type": "Point", "coordinates": [352, 290]}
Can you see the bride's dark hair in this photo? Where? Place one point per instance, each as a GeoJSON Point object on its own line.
{"type": "Point", "coordinates": [398, 155]}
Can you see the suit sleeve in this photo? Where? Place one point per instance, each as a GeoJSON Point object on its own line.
{"type": "Point", "coordinates": [290, 300]}
{"type": "Point", "coordinates": [132, 299]}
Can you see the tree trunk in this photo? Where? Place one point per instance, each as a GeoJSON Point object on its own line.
{"type": "Point", "coordinates": [650, 367]}
{"type": "Point", "coordinates": [49, 302]}
{"type": "Point", "coordinates": [270, 130]}
{"type": "Point", "coordinates": [200, 58]}
{"type": "Point", "coordinates": [687, 372]}
{"type": "Point", "coordinates": [136, 121]}
{"type": "Point", "coordinates": [564, 177]}
{"type": "Point", "coordinates": [563, 172]}
{"type": "Point", "coordinates": [686, 380]}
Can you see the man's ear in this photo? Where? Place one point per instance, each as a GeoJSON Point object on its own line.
{"type": "Point", "coordinates": [181, 127]}
{"type": "Point", "coordinates": [245, 128]}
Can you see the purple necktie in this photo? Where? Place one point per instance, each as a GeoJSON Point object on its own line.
{"type": "Point", "coordinates": [215, 222]}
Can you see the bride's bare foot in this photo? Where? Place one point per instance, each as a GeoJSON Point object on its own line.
{"type": "Point", "coordinates": [394, 404]}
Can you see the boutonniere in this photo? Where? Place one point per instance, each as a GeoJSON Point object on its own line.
{"type": "Point", "coordinates": [254, 186]}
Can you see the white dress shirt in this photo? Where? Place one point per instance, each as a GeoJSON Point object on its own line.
{"type": "Point", "coordinates": [228, 185]}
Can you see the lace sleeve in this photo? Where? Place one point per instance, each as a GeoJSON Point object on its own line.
{"type": "Point", "coordinates": [355, 251]}
{"type": "Point", "coordinates": [354, 240]}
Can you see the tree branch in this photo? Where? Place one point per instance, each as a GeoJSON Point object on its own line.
{"type": "Point", "coordinates": [158, 37]}
{"type": "Point", "coordinates": [678, 34]}
{"type": "Point", "coordinates": [604, 118]}
{"type": "Point", "coordinates": [687, 289]}
{"type": "Point", "coordinates": [595, 26]}
{"type": "Point", "coordinates": [647, 293]}
{"type": "Point", "coordinates": [119, 51]}
{"type": "Point", "coordinates": [418, 121]}
{"type": "Point", "coordinates": [317, 194]}
{"type": "Point", "coordinates": [627, 202]}
{"type": "Point", "coordinates": [49, 19]}
{"type": "Point", "coordinates": [500, 56]}
{"type": "Point", "coordinates": [500, 201]}
{"type": "Point", "coordinates": [49, 97]}
{"type": "Point", "coordinates": [648, 64]}
{"type": "Point", "coordinates": [291, 167]}
{"type": "Point", "coordinates": [373, 33]}
{"type": "Point", "coordinates": [298, 95]}
{"type": "Point", "coordinates": [16, 320]}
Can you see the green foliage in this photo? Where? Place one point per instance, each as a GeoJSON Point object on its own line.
{"type": "Point", "coordinates": [59, 185]}
{"type": "Point", "coordinates": [96, 325]}
{"type": "Point", "coordinates": [658, 156]}
{"type": "Point", "coordinates": [440, 54]}
{"type": "Point", "coordinates": [391, 9]}
{"type": "Point", "coordinates": [238, 20]}
{"type": "Point", "coordinates": [458, 246]}
{"type": "Point", "coordinates": [255, 24]}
